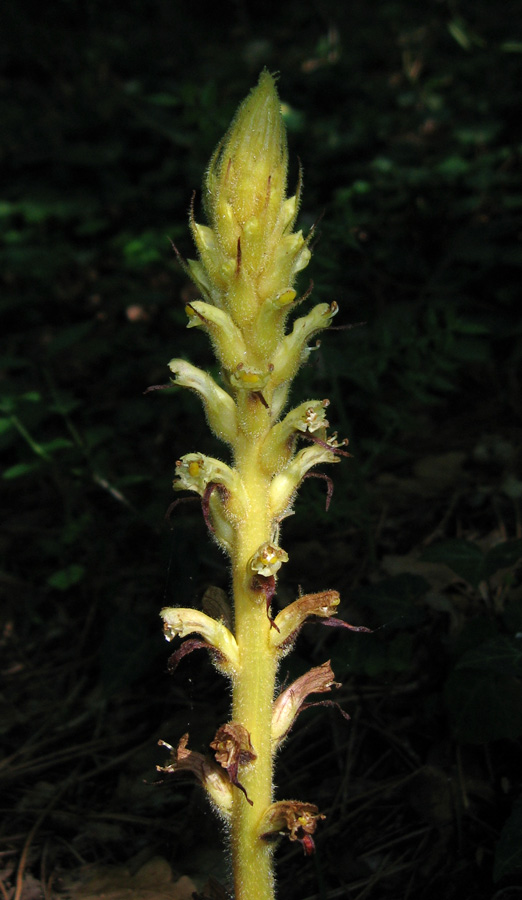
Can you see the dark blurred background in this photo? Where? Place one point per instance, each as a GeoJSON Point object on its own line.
{"type": "Point", "coordinates": [406, 120]}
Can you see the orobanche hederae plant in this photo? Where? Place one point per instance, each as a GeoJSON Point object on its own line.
{"type": "Point", "coordinates": [248, 259]}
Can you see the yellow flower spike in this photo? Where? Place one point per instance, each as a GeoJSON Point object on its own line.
{"type": "Point", "coordinates": [209, 249]}
{"type": "Point", "coordinates": [207, 244]}
{"type": "Point", "coordinates": [248, 259]}
{"type": "Point", "coordinates": [194, 321]}
{"type": "Point", "coordinates": [272, 316]}
{"type": "Point", "coordinates": [199, 276]}
{"type": "Point", "coordinates": [220, 409]}
{"type": "Point", "coordinates": [247, 254]}
{"type": "Point", "coordinates": [179, 622]}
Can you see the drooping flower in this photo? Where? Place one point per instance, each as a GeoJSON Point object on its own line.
{"type": "Point", "coordinates": [211, 776]}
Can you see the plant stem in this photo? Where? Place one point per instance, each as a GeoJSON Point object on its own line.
{"type": "Point", "coordinates": [253, 692]}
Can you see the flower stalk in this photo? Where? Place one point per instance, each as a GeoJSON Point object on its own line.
{"type": "Point", "coordinates": [248, 259]}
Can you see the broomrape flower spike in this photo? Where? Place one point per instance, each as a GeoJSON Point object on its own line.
{"type": "Point", "coordinates": [248, 258]}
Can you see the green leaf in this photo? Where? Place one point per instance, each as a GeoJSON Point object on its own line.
{"type": "Point", "coordinates": [463, 557]}
{"type": "Point", "coordinates": [7, 404]}
{"type": "Point", "coordinates": [64, 404]}
{"type": "Point", "coordinates": [5, 425]}
{"type": "Point", "coordinates": [511, 47]}
{"type": "Point", "coordinates": [66, 578]}
{"type": "Point", "coordinates": [56, 444]}
{"type": "Point", "coordinates": [508, 852]}
{"type": "Point", "coordinates": [20, 469]}
{"type": "Point", "coordinates": [453, 167]}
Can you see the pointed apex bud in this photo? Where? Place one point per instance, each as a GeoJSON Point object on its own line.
{"type": "Point", "coordinates": [247, 174]}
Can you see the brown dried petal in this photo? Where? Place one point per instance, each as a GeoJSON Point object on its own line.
{"type": "Point", "coordinates": [233, 748]}
{"type": "Point", "coordinates": [290, 702]}
{"type": "Point", "coordinates": [211, 777]}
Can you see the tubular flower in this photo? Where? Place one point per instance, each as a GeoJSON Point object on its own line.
{"type": "Point", "coordinates": [211, 777]}
{"type": "Point", "coordinates": [292, 350]}
{"type": "Point", "coordinates": [322, 606]}
{"type": "Point", "coordinates": [278, 447]}
{"type": "Point", "coordinates": [181, 622]}
{"type": "Point", "coordinates": [226, 336]}
{"type": "Point", "coordinates": [285, 485]}
{"type": "Point", "coordinates": [197, 472]}
{"type": "Point", "coordinates": [220, 409]}
{"type": "Point", "coordinates": [291, 618]}
{"type": "Point", "coordinates": [292, 701]}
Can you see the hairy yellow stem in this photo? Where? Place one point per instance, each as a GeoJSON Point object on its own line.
{"type": "Point", "coordinates": [253, 689]}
